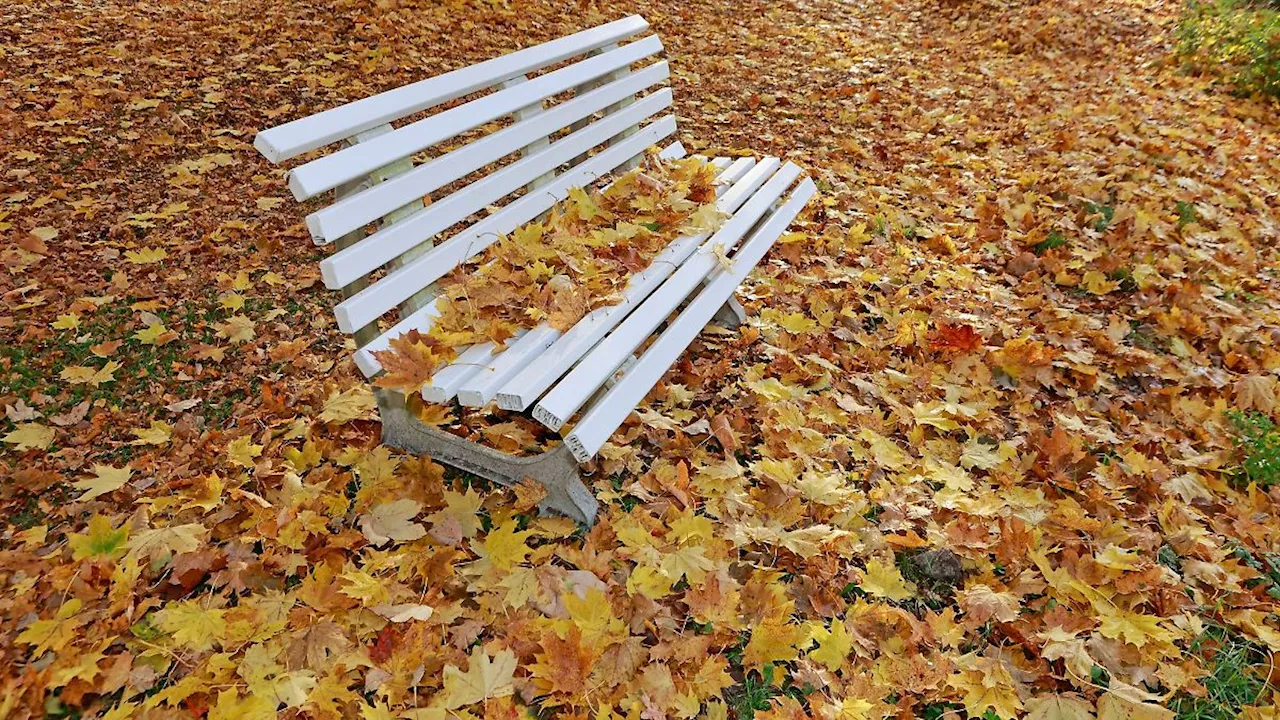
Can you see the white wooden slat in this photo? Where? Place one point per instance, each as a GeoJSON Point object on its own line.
{"type": "Point", "coordinates": [347, 266]}
{"type": "Point", "coordinates": [595, 368]}
{"type": "Point", "coordinates": [581, 175]}
{"type": "Point", "coordinates": [371, 303]}
{"type": "Point", "coordinates": [480, 388]}
{"type": "Point", "coordinates": [540, 372]}
{"type": "Point", "coordinates": [336, 168]}
{"type": "Point", "coordinates": [604, 417]}
{"type": "Point", "coordinates": [294, 138]}
{"type": "Point", "coordinates": [445, 383]}
{"type": "Point", "coordinates": [358, 210]}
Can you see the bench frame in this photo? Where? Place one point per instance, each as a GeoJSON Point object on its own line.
{"type": "Point", "coordinates": [609, 73]}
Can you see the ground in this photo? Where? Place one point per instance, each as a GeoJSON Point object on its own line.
{"type": "Point", "coordinates": [996, 443]}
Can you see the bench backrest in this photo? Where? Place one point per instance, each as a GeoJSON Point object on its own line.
{"type": "Point", "coordinates": [532, 124]}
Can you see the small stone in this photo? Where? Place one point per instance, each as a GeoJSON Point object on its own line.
{"type": "Point", "coordinates": [941, 565]}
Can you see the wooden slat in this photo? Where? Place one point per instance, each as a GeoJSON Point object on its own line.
{"type": "Point", "coordinates": [480, 388]}
{"type": "Point", "coordinates": [334, 169]}
{"type": "Point", "coordinates": [299, 136]}
{"type": "Point", "coordinates": [595, 368]}
{"type": "Point", "coordinates": [604, 417]}
{"type": "Point", "coordinates": [395, 286]}
{"type": "Point", "coordinates": [356, 211]}
{"type": "Point", "coordinates": [445, 383]}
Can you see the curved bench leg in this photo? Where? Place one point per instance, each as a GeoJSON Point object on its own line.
{"type": "Point", "coordinates": [555, 469]}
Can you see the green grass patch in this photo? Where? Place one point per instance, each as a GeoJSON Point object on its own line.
{"type": "Point", "coordinates": [1054, 240]}
{"type": "Point", "coordinates": [1258, 446]}
{"type": "Point", "coordinates": [1236, 40]}
{"type": "Point", "coordinates": [1237, 677]}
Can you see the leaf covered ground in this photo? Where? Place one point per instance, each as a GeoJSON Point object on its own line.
{"type": "Point", "coordinates": [997, 442]}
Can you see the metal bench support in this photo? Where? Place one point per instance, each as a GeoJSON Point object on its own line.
{"type": "Point", "coordinates": [555, 469]}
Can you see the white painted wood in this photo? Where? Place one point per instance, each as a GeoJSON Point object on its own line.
{"type": "Point", "coordinates": [674, 151]}
{"type": "Point", "coordinates": [358, 210]}
{"type": "Point", "coordinates": [540, 143]}
{"type": "Point", "coordinates": [425, 318]}
{"type": "Point", "coordinates": [539, 373]}
{"type": "Point", "coordinates": [604, 417]}
{"type": "Point", "coordinates": [372, 302]}
{"type": "Point", "coordinates": [480, 388]}
{"type": "Point", "coordinates": [445, 383]}
{"type": "Point", "coordinates": [336, 168]}
{"type": "Point", "coordinates": [296, 137]}
{"type": "Point", "coordinates": [575, 388]}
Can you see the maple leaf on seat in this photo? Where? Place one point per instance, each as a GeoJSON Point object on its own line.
{"type": "Point", "coordinates": [409, 362]}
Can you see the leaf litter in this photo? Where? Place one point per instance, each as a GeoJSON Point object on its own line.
{"type": "Point", "coordinates": [1031, 322]}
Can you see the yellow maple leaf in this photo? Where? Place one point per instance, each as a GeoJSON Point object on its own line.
{"type": "Point", "coordinates": [505, 546]}
{"type": "Point", "coordinates": [379, 711]}
{"type": "Point", "coordinates": [884, 580]}
{"type": "Point", "coordinates": [157, 434]}
{"type": "Point", "coordinates": [1097, 283]}
{"type": "Point", "coordinates": [192, 625]}
{"type": "Point", "coordinates": [584, 205]}
{"type": "Point", "coordinates": [82, 375]}
{"type": "Point", "coordinates": [242, 451]}
{"type": "Point", "coordinates": [834, 644]}
{"type": "Point", "coordinates": [1134, 628]}
{"type": "Point", "coordinates": [100, 539]}
{"type": "Point", "coordinates": [146, 256]}
{"type": "Point", "coordinates": [355, 403]}
{"type": "Point", "coordinates": [772, 641]}
{"type": "Point", "coordinates": [237, 328]}
{"type": "Point", "coordinates": [54, 634]}
{"type": "Point", "coordinates": [884, 451]}
{"type": "Point", "coordinates": [649, 582]}
{"type": "Point", "coordinates": [105, 479]}
{"type": "Point", "coordinates": [1125, 703]}
{"type": "Point", "coordinates": [66, 321]}
{"type": "Point", "coordinates": [690, 562]}
{"type": "Point", "coordinates": [462, 509]}
{"type": "Point", "coordinates": [30, 435]}
{"type": "Point", "coordinates": [593, 616]}
{"type": "Point", "coordinates": [1059, 707]}
{"type": "Point", "coordinates": [231, 301]}
{"type": "Point", "coordinates": [1002, 699]}
{"type": "Point", "coordinates": [485, 678]}
{"type": "Point", "coordinates": [155, 335]}
{"type": "Point", "coordinates": [230, 706]}
{"type": "Point", "coordinates": [1118, 558]}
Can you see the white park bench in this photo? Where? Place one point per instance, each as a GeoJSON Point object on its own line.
{"type": "Point", "coordinates": [554, 125]}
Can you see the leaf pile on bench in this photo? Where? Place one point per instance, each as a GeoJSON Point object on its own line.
{"type": "Point", "coordinates": [579, 258]}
